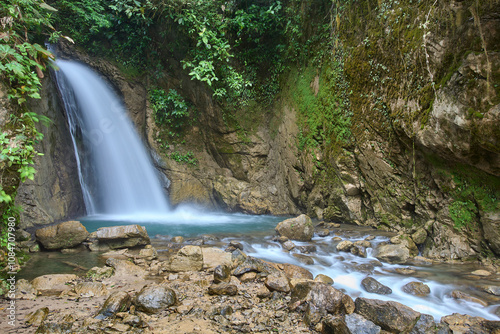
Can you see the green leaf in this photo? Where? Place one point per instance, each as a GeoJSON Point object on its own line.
{"type": "Point", "coordinates": [47, 7]}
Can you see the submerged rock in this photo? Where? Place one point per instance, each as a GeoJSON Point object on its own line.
{"type": "Point", "coordinates": [64, 235]}
{"type": "Point", "coordinates": [299, 228]}
{"type": "Point", "coordinates": [456, 294]}
{"type": "Point", "coordinates": [391, 316]}
{"type": "Point", "coordinates": [154, 298]}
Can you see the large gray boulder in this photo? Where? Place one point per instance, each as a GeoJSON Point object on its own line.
{"type": "Point", "coordinates": [299, 228]}
{"type": "Point", "coordinates": [391, 316]}
{"type": "Point", "coordinates": [370, 284]}
{"type": "Point", "coordinates": [322, 296]}
{"type": "Point", "coordinates": [64, 235]}
{"type": "Point", "coordinates": [398, 251]}
{"type": "Point", "coordinates": [115, 237]}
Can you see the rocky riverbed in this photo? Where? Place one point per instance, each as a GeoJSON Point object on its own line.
{"type": "Point", "coordinates": [189, 287]}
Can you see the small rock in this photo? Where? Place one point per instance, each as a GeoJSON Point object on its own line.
{"type": "Point", "coordinates": [359, 325]}
{"type": "Point", "coordinates": [334, 324]}
{"type": "Point", "coordinates": [293, 271]}
{"type": "Point", "coordinates": [125, 268]}
{"type": "Point", "coordinates": [345, 246]}
{"type": "Point", "coordinates": [370, 238]}
{"type": "Point", "coordinates": [119, 301]}
{"type": "Point", "coordinates": [405, 271]}
{"type": "Point", "coordinates": [363, 243]}
{"type": "Point", "coordinates": [416, 288]}
{"type": "Point", "coordinates": [263, 292]}
{"type": "Point", "coordinates": [456, 294]}
{"type": "Point", "coordinates": [25, 289]}
{"type": "Point", "coordinates": [372, 285]}
{"type": "Point", "coordinates": [248, 277]}
{"type": "Point", "coordinates": [324, 279]}
{"type": "Point", "coordinates": [148, 253]}
{"type": "Point", "coordinates": [491, 289]}
{"type": "Point", "coordinates": [213, 257]}
{"type": "Point", "coordinates": [36, 318]}
{"type": "Point", "coordinates": [277, 281]}
{"type": "Point", "coordinates": [98, 273]}
{"type": "Point", "coordinates": [358, 251]}
{"type": "Point", "coordinates": [323, 233]}
{"type": "Point", "coordinates": [178, 239]}
{"type": "Point", "coordinates": [419, 236]}
{"type": "Point", "coordinates": [304, 258]}
{"type": "Point", "coordinates": [222, 273]}
{"type": "Point", "coordinates": [91, 289]}
{"type": "Point", "coordinates": [188, 258]}
{"type": "Point", "coordinates": [307, 249]}
{"type": "Point", "coordinates": [481, 272]}
{"type": "Point", "coordinates": [153, 298]}
{"type": "Point", "coordinates": [223, 289]}
{"type": "Point", "coordinates": [288, 245]}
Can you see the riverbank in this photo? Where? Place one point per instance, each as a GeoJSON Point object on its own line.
{"type": "Point", "coordinates": [212, 285]}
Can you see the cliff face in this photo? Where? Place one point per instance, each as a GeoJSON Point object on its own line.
{"type": "Point", "coordinates": [410, 144]}
{"type": "Point", "coordinates": [55, 192]}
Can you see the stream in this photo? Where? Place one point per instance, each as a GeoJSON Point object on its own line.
{"type": "Point", "coordinates": [256, 233]}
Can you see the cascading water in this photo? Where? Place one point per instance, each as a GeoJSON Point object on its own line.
{"type": "Point", "coordinates": [116, 173]}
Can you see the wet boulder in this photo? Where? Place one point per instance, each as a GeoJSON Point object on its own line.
{"type": "Point", "coordinates": [154, 298]}
{"type": "Point", "coordinates": [389, 315]}
{"type": "Point", "coordinates": [322, 296]}
{"type": "Point", "coordinates": [115, 237]}
{"type": "Point", "coordinates": [64, 235]}
{"type": "Point", "coordinates": [398, 251]}
{"type": "Point", "coordinates": [427, 325]}
{"type": "Point", "coordinates": [418, 289]}
{"type": "Point", "coordinates": [252, 264]}
{"type": "Point", "coordinates": [456, 294]}
{"type": "Point", "coordinates": [299, 228]}
{"type": "Point", "coordinates": [119, 301]}
{"type": "Point", "coordinates": [372, 285]}
{"type": "Point", "coordinates": [188, 258]}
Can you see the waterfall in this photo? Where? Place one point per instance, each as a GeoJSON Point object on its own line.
{"type": "Point", "coordinates": [116, 173]}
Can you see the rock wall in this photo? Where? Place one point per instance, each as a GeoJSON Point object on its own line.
{"type": "Point", "coordinates": [55, 192]}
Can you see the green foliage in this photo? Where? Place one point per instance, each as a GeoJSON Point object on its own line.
{"type": "Point", "coordinates": [463, 214]}
{"type": "Point", "coordinates": [187, 158]}
{"type": "Point", "coordinates": [324, 115]}
{"type": "Point", "coordinates": [21, 61]}
{"type": "Point", "coordinates": [169, 108]}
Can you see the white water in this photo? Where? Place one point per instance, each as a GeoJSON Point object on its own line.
{"type": "Point", "coordinates": [116, 173]}
{"type": "Point", "coordinates": [341, 267]}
